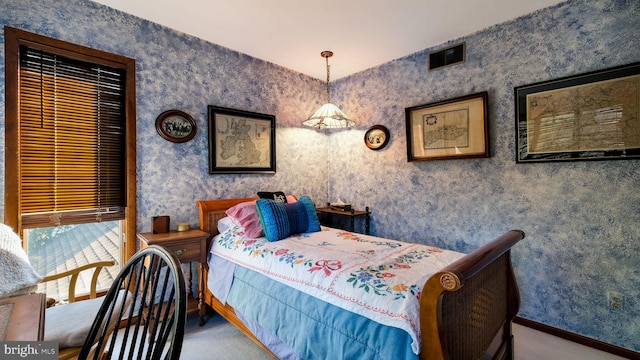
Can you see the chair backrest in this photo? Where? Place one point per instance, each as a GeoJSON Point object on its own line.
{"type": "Point", "coordinates": [152, 311]}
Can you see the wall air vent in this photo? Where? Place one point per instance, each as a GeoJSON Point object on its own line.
{"type": "Point", "coordinates": [447, 57]}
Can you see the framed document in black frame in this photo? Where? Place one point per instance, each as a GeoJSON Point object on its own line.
{"type": "Point", "coordinates": [241, 142]}
{"type": "Point", "coordinates": [592, 116]}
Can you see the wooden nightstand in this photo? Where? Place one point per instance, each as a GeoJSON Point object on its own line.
{"type": "Point", "coordinates": [327, 212]}
{"type": "Point", "coordinates": [188, 246]}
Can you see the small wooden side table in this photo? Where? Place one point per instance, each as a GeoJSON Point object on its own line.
{"type": "Point", "coordinates": [26, 321]}
{"type": "Point", "coordinates": [188, 246]}
{"type": "Point", "coordinates": [352, 214]}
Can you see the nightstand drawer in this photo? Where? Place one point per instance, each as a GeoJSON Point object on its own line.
{"type": "Point", "coordinates": [186, 251]}
{"type": "Point", "coordinates": [187, 245]}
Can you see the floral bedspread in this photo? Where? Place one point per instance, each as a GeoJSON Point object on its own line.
{"type": "Point", "coordinates": [374, 277]}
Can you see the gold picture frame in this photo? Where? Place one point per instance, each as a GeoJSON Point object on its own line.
{"type": "Point", "coordinates": [449, 129]}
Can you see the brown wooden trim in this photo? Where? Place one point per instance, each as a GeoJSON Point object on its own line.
{"type": "Point", "coordinates": [578, 339]}
{"type": "Point", "coordinates": [74, 51]}
{"type": "Point", "coordinates": [11, 174]}
{"type": "Point", "coordinates": [130, 225]}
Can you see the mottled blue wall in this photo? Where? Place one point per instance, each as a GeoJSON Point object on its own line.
{"type": "Point", "coordinates": [580, 217]}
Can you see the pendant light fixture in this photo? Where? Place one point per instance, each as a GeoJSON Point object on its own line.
{"type": "Point", "coordinates": [328, 116]}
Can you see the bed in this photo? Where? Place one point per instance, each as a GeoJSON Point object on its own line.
{"type": "Point", "coordinates": [465, 308]}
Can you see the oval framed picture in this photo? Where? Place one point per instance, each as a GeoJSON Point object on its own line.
{"type": "Point", "coordinates": [176, 126]}
{"type": "Point", "coordinates": [376, 137]}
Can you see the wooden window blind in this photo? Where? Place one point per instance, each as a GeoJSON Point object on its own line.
{"type": "Point", "coordinates": [72, 140]}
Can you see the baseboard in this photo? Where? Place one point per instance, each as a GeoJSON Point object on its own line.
{"type": "Point", "coordinates": [579, 339]}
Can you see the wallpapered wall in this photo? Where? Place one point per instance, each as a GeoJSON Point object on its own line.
{"type": "Point", "coordinates": [580, 217]}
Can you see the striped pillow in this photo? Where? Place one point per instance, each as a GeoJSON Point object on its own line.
{"type": "Point", "coordinates": [279, 220]}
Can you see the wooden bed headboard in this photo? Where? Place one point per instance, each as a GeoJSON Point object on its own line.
{"type": "Point", "coordinates": [213, 210]}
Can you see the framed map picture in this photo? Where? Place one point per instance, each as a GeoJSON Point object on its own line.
{"type": "Point", "coordinates": [593, 116]}
{"type": "Point", "coordinates": [241, 142]}
{"type": "Point", "coordinates": [450, 129]}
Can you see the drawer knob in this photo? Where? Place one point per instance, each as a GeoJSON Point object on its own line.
{"type": "Point", "coordinates": [180, 252]}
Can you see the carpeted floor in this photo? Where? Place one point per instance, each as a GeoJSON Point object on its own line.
{"type": "Point", "coordinates": [217, 339]}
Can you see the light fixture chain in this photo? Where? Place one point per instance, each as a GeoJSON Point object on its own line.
{"type": "Point", "coordinates": [328, 92]}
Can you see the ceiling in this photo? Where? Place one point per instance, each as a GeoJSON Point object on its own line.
{"type": "Point", "coordinates": [361, 33]}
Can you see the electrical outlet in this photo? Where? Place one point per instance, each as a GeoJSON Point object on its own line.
{"type": "Point", "coordinates": [616, 300]}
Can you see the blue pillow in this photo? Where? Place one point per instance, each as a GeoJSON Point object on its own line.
{"type": "Point", "coordinates": [279, 220]}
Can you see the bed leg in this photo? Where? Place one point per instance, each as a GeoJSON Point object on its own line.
{"type": "Point", "coordinates": [510, 355]}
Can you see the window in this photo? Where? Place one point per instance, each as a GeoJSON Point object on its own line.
{"type": "Point", "coordinates": [70, 153]}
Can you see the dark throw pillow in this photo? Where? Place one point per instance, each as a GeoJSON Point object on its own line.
{"type": "Point", "coordinates": [278, 196]}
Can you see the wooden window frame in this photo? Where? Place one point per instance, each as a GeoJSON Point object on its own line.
{"type": "Point", "coordinates": [14, 38]}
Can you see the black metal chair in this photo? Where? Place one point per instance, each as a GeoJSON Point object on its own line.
{"type": "Point", "coordinates": [143, 314]}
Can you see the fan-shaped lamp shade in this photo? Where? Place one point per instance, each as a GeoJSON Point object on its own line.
{"type": "Point", "coordinates": [329, 116]}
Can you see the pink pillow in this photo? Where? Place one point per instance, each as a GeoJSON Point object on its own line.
{"type": "Point", "coordinates": [246, 215]}
{"type": "Point", "coordinates": [291, 198]}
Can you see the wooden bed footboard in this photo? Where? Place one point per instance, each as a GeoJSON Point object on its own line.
{"type": "Point", "coordinates": [470, 304]}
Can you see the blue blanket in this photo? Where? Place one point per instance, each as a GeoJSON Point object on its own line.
{"type": "Point", "coordinates": [312, 328]}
